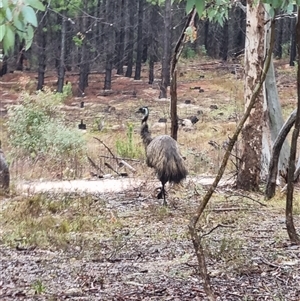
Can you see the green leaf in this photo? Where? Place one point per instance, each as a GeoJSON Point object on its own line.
{"type": "Point", "coordinates": [36, 4]}
{"type": "Point", "coordinates": [200, 5]}
{"type": "Point", "coordinates": [29, 15]}
{"type": "Point", "coordinates": [8, 14]}
{"type": "Point", "coordinates": [18, 23]}
{"type": "Point", "coordinates": [189, 5]}
{"type": "Point", "coordinates": [28, 37]}
{"type": "Point", "coordinates": [2, 31]}
{"type": "Point", "coordinates": [8, 39]}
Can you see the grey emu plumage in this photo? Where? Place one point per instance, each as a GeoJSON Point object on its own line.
{"type": "Point", "coordinates": [163, 155]}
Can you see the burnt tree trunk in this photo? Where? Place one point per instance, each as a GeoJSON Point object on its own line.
{"type": "Point", "coordinates": [41, 44]}
{"type": "Point", "coordinates": [153, 42]}
{"type": "Point", "coordinates": [61, 67]}
{"type": "Point", "coordinates": [139, 48]}
{"type": "Point", "coordinates": [166, 57]}
{"type": "Point", "coordinates": [109, 44]}
{"type": "Point", "coordinates": [131, 8]}
{"type": "Point", "coordinates": [249, 170]}
{"type": "Point", "coordinates": [293, 43]}
{"type": "Point", "coordinates": [84, 60]}
{"type": "Point", "coordinates": [120, 38]}
{"type": "Point", "coordinates": [224, 42]}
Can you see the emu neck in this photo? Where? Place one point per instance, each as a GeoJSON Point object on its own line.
{"type": "Point", "coordinates": [145, 134]}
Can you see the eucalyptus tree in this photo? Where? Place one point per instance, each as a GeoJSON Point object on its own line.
{"type": "Point", "coordinates": [18, 18]}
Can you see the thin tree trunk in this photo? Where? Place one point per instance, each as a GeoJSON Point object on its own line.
{"type": "Point", "coordinates": [120, 38]}
{"type": "Point", "coordinates": [41, 44]}
{"type": "Point", "coordinates": [273, 165]}
{"type": "Point", "coordinates": [84, 61]}
{"type": "Point", "coordinates": [166, 58]}
{"type": "Point", "coordinates": [109, 33]}
{"type": "Point", "coordinates": [139, 48]}
{"type": "Point", "coordinates": [291, 170]}
{"type": "Point", "coordinates": [61, 68]}
{"type": "Point", "coordinates": [224, 41]}
{"type": "Point", "coordinates": [249, 170]}
{"type": "Point", "coordinates": [293, 43]}
{"type": "Point", "coordinates": [130, 37]}
{"type": "Point", "coordinates": [153, 34]}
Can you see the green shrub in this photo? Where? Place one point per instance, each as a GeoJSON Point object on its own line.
{"type": "Point", "coordinates": [36, 129]}
{"type": "Point", "coordinates": [188, 53]}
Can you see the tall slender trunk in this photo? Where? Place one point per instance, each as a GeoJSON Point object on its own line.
{"type": "Point", "coordinates": [41, 43]}
{"type": "Point", "coordinates": [139, 48]}
{"type": "Point", "coordinates": [84, 61]}
{"type": "Point", "coordinates": [249, 170]}
{"type": "Point", "coordinates": [120, 38]}
{"type": "Point", "coordinates": [109, 44]}
{"type": "Point", "coordinates": [61, 68]}
{"type": "Point", "coordinates": [166, 59]}
{"type": "Point", "coordinates": [153, 43]}
{"type": "Point", "coordinates": [131, 7]}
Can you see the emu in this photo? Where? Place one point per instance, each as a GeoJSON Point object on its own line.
{"type": "Point", "coordinates": [163, 155]}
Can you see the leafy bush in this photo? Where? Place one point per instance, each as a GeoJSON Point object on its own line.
{"type": "Point", "coordinates": [36, 129]}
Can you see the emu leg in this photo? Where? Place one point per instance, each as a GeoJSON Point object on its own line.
{"type": "Point", "coordinates": [163, 191]}
{"type": "Point", "coordinates": [162, 194]}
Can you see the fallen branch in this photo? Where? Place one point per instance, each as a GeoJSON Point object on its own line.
{"type": "Point", "coordinates": [96, 166]}
{"type": "Point", "coordinates": [116, 158]}
{"type": "Point", "coordinates": [248, 197]}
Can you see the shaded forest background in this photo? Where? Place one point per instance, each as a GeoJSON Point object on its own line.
{"type": "Point", "coordinates": [100, 36]}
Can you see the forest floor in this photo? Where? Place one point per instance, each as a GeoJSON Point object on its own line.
{"type": "Point", "coordinates": [111, 239]}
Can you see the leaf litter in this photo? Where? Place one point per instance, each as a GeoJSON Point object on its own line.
{"type": "Point", "coordinates": [147, 253]}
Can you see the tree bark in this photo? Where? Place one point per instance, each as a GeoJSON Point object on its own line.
{"type": "Point", "coordinates": [120, 38]}
{"type": "Point", "coordinates": [131, 7]}
{"type": "Point", "coordinates": [139, 48]}
{"type": "Point", "coordinates": [153, 43]}
{"type": "Point", "coordinates": [109, 44]}
{"type": "Point", "coordinates": [41, 44]}
{"type": "Point", "coordinates": [166, 58]}
{"type": "Point", "coordinates": [61, 67]}
{"type": "Point", "coordinates": [249, 170]}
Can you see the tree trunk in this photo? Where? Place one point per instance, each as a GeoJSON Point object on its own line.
{"type": "Point", "coordinates": [249, 170]}
{"type": "Point", "coordinates": [120, 38]}
{"type": "Point", "coordinates": [131, 7]}
{"type": "Point", "coordinates": [61, 68]}
{"type": "Point", "coordinates": [224, 42]}
{"type": "Point", "coordinates": [166, 58]}
{"type": "Point", "coordinates": [273, 112]}
{"type": "Point", "coordinates": [293, 43]}
{"type": "Point", "coordinates": [291, 170]}
{"type": "Point", "coordinates": [278, 40]}
{"type": "Point", "coordinates": [41, 44]}
{"type": "Point", "coordinates": [139, 48]}
{"type": "Point", "coordinates": [276, 149]}
{"type": "Point", "coordinates": [109, 43]}
{"type": "Point", "coordinates": [4, 172]}
{"type": "Point", "coordinates": [84, 61]}
{"type": "Point", "coordinates": [153, 42]}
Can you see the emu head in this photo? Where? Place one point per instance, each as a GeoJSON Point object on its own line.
{"type": "Point", "coordinates": [145, 112]}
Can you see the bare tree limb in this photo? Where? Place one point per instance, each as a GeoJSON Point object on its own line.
{"type": "Point", "coordinates": [273, 165]}
{"type": "Point", "coordinates": [292, 166]}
